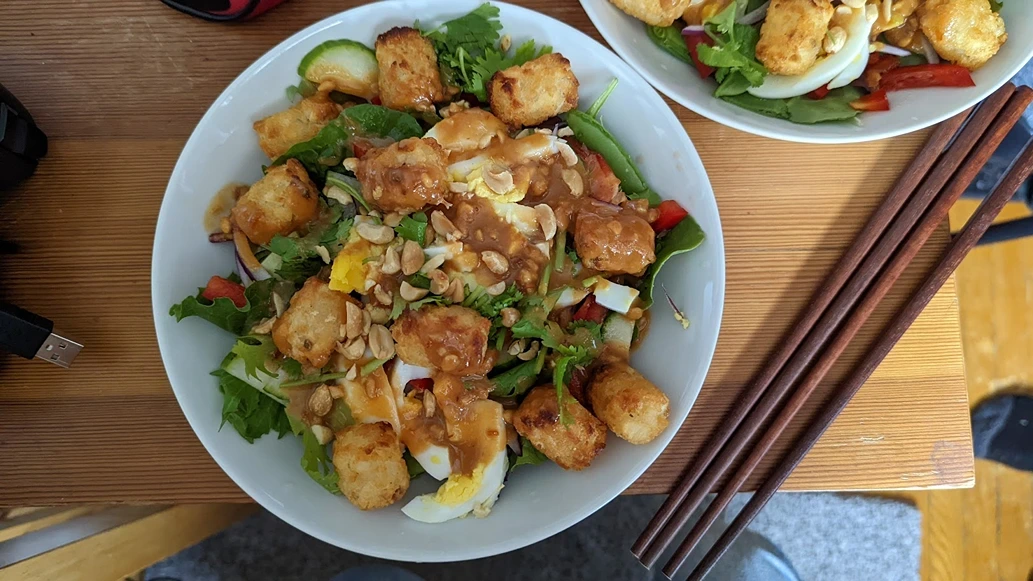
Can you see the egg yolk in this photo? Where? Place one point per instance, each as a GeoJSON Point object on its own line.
{"type": "Point", "coordinates": [349, 270]}
{"type": "Point", "coordinates": [460, 488]}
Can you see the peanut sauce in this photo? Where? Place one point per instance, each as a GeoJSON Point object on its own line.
{"type": "Point", "coordinates": [221, 204]}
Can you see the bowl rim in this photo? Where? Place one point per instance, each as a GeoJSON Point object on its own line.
{"type": "Point", "coordinates": [716, 115]}
{"type": "Point", "coordinates": [715, 237]}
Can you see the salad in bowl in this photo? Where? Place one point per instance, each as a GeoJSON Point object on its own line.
{"type": "Point", "coordinates": [442, 271]}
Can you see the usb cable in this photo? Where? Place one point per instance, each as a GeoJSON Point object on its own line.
{"type": "Point", "coordinates": [29, 335]}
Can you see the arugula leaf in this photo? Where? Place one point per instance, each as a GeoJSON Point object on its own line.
{"type": "Point", "coordinates": [414, 467]}
{"type": "Point", "coordinates": [255, 351]}
{"type": "Point", "coordinates": [328, 148]}
{"type": "Point", "coordinates": [529, 455]}
{"type": "Point", "coordinates": [316, 463]}
{"type": "Point", "coordinates": [413, 227]}
{"type": "Point", "coordinates": [517, 380]}
{"type": "Point", "coordinates": [669, 38]}
{"type": "Point", "coordinates": [223, 313]}
{"type": "Point", "coordinates": [368, 120]}
{"type": "Point", "coordinates": [686, 236]}
{"type": "Point", "coordinates": [251, 413]}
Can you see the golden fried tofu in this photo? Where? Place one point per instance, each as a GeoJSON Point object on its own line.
{"type": "Point", "coordinates": [284, 200]}
{"type": "Point", "coordinates": [655, 12]}
{"type": "Point", "coordinates": [965, 32]}
{"type": "Point", "coordinates": [792, 33]}
{"type": "Point", "coordinates": [614, 241]}
{"type": "Point", "coordinates": [572, 447]}
{"type": "Point", "coordinates": [534, 91]}
{"type": "Point", "coordinates": [279, 131]}
{"type": "Point", "coordinates": [629, 404]}
{"type": "Point", "coordinates": [405, 176]}
{"type": "Point", "coordinates": [370, 469]}
{"type": "Point", "coordinates": [409, 74]}
{"type": "Point", "coordinates": [453, 339]}
{"type": "Point", "coordinates": [310, 328]}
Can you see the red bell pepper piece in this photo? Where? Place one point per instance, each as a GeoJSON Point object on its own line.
{"type": "Point", "coordinates": [591, 311]}
{"type": "Point", "coordinates": [693, 40]}
{"type": "Point", "coordinates": [819, 93]}
{"type": "Point", "coordinates": [420, 384]}
{"type": "Point", "coordinates": [878, 65]}
{"type": "Point", "coordinates": [603, 185]}
{"type": "Point", "coordinates": [360, 147]}
{"type": "Point", "coordinates": [219, 287]}
{"type": "Point", "coordinates": [876, 101]}
{"type": "Point", "coordinates": [671, 213]}
{"type": "Point", "coordinates": [922, 76]}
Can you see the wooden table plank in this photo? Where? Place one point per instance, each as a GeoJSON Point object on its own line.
{"type": "Point", "coordinates": [120, 86]}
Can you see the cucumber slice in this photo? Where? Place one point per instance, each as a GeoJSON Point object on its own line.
{"type": "Point", "coordinates": [267, 384]}
{"type": "Point", "coordinates": [351, 66]}
{"type": "Point", "coordinates": [618, 331]}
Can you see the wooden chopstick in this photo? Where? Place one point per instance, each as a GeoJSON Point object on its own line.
{"type": "Point", "coordinates": [934, 216]}
{"type": "Point", "coordinates": [959, 247]}
{"type": "Point", "coordinates": [826, 311]}
{"type": "Point", "coordinates": [835, 281]}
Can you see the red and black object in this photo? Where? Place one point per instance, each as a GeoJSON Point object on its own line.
{"type": "Point", "coordinates": [223, 10]}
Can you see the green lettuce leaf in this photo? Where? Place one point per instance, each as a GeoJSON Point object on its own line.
{"type": "Point", "coordinates": [669, 38]}
{"type": "Point", "coordinates": [251, 413]}
{"type": "Point", "coordinates": [529, 455]}
{"type": "Point", "coordinates": [686, 236]}
{"type": "Point", "coordinates": [414, 467]}
{"type": "Point", "coordinates": [223, 313]}
{"type": "Point", "coordinates": [255, 351]}
{"type": "Point", "coordinates": [316, 463]}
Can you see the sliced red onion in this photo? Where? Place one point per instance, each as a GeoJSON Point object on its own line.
{"type": "Point", "coordinates": [245, 275]}
{"type": "Point", "coordinates": [755, 15]}
{"type": "Point", "coordinates": [248, 267]}
{"type": "Point", "coordinates": [693, 29]}
{"type": "Point", "coordinates": [893, 50]}
{"type": "Point", "coordinates": [929, 51]}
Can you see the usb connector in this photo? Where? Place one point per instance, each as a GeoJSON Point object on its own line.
{"type": "Point", "coordinates": [29, 335]}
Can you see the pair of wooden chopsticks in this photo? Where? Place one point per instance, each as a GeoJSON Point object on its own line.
{"type": "Point", "coordinates": [920, 201]}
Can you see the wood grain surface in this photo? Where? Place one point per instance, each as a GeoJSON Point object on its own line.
{"type": "Point", "coordinates": [119, 86]}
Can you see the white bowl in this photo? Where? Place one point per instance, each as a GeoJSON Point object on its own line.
{"type": "Point", "coordinates": [537, 501]}
{"type": "Point", "coordinates": [910, 110]}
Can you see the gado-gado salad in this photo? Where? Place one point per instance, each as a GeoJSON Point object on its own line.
{"type": "Point", "coordinates": [443, 270]}
{"type": "Point", "coordinates": [812, 61]}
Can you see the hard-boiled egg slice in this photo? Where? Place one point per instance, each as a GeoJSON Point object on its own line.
{"type": "Point", "coordinates": [468, 130]}
{"type": "Point", "coordinates": [401, 374]}
{"type": "Point", "coordinates": [613, 296]}
{"type": "Point", "coordinates": [570, 297]}
{"type": "Point", "coordinates": [521, 217]}
{"type": "Point", "coordinates": [371, 399]}
{"type": "Point", "coordinates": [477, 491]}
{"type": "Point", "coordinates": [450, 250]}
{"type": "Point", "coordinates": [852, 72]}
{"type": "Point", "coordinates": [825, 70]}
{"type": "Point", "coordinates": [435, 459]}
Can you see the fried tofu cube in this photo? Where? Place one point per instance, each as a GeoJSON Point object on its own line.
{"type": "Point", "coordinates": [629, 404]}
{"type": "Point", "coordinates": [284, 200]}
{"type": "Point", "coordinates": [965, 32]}
{"type": "Point", "coordinates": [614, 241]}
{"type": "Point", "coordinates": [310, 328]}
{"type": "Point", "coordinates": [279, 131]}
{"type": "Point", "coordinates": [530, 93]}
{"type": "Point", "coordinates": [370, 469]}
{"type": "Point", "coordinates": [409, 74]}
{"type": "Point", "coordinates": [792, 34]}
{"type": "Point", "coordinates": [655, 12]}
{"type": "Point", "coordinates": [572, 447]}
{"type": "Point", "coordinates": [405, 176]}
{"type": "Point", "coordinates": [453, 339]}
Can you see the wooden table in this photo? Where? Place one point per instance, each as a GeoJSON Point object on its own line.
{"type": "Point", "coordinates": [119, 85]}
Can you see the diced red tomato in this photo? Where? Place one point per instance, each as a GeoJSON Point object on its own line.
{"type": "Point", "coordinates": [876, 101]}
{"type": "Point", "coordinates": [693, 40]}
{"type": "Point", "coordinates": [376, 100]}
{"type": "Point", "coordinates": [603, 185]}
{"type": "Point", "coordinates": [360, 147]}
{"type": "Point", "coordinates": [576, 384]}
{"type": "Point", "coordinates": [219, 287]}
{"type": "Point", "coordinates": [590, 310]}
{"type": "Point", "coordinates": [671, 213]}
{"type": "Point", "coordinates": [878, 65]}
{"type": "Point", "coordinates": [420, 384]}
{"type": "Point", "coordinates": [819, 93]}
{"type": "Point", "coordinates": [922, 76]}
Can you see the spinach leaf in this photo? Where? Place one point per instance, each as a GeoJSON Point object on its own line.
{"type": "Point", "coordinates": [316, 463]}
{"type": "Point", "coordinates": [734, 83]}
{"type": "Point", "coordinates": [777, 108]}
{"type": "Point", "coordinates": [328, 148]}
{"type": "Point", "coordinates": [686, 236]}
{"type": "Point", "coordinates": [529, 455]}
{"type": "Point", "coordinates": [251, 413]}
{"type": "Point", "coordinates": [412, 465]}
{"type": "Point", "coordinates": [834, 107]}
{"type": "Point", "coordinates": [368, 120]}
{"type": "Point", "coordinates": [669, 38]}
{"type": "Point", "coordinates": [223, 313]}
